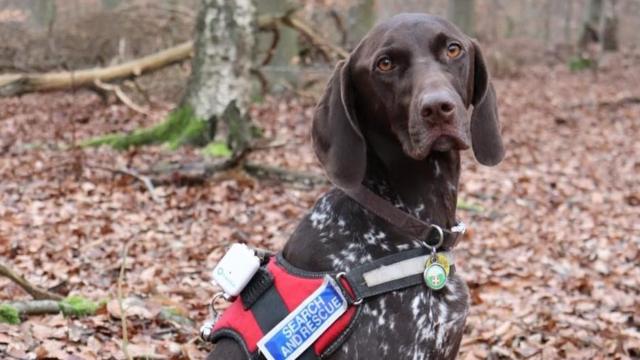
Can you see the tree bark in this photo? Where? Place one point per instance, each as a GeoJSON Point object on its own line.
{"type": "Point", "coordinates": [610, 28]}
{"type": "Point", "coordinates": [219, 87]}
{"type": "Point", "coordinates": [462, 13]}
{"type": "Point", "coordinates": [591, 25]}
{"type": "Point", "coordinates": [568, 20]}
{"type": "Point", "coordinates": [221, 66]}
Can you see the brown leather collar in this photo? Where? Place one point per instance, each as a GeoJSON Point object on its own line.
{"type": "Point", "coordinates": [431, 234]}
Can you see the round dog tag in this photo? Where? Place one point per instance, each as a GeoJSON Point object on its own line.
{"type": "Point", "coordinates": [441, 259]}
{"type": "Point", "coordinates": [435, 276]}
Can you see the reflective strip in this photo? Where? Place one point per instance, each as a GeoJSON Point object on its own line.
{"type": "Point", "coordinates": [399, 270]}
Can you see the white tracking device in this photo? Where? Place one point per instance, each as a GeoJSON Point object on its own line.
{"type": "Point", "coordinates": [235, 269]}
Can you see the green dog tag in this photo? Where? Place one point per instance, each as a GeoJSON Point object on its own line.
{"type": "Point", "coordinates": [435, 276]}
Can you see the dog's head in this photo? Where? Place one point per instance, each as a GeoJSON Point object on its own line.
{"type": "Point", "coordinates": [416, 77]}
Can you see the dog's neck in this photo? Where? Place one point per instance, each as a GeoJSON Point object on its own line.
{"type": "Point", "coordinates": [427, 189]}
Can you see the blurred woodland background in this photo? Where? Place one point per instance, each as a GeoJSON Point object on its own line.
{"type": "Point", "coordinates": [140, 138]}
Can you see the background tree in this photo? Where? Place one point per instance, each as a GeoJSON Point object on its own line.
{"type": "Point", "coordinates": [590, 33]}
{"type": "Point", "coordinates": [219, 86]}
{"type": "Point", "coordinates": [462, 13]}
{"type": "Point", "coordinates": [610, 27]}
{"type": "Point", "coordinates": [362, 16]}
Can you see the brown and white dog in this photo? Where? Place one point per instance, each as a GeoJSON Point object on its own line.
{"type": "Point", "coordinates": [394, 117]}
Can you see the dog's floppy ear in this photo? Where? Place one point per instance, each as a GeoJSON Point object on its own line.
{"type": "Point", "coordinates": [336, 135]}
{"type": "Point", "coordinates": [485, 126]}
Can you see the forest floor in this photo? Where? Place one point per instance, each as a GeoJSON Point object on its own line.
{"type": "Point", "coordinates": [551, 257]}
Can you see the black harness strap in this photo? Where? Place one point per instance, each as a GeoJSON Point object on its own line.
{"type": "Point", "coordinates": [361, 290]}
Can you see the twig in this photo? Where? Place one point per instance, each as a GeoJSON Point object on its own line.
{"type": "Point", "coordinates": [328, 49]}
{"type": "Point", "coordinates": [121, 96]}
{"type": "Point", "coordinates": [272, 48]}
{"type": "Point", "coordinates": [323, 44]}
{"type": "Point", "coordinates": [138, 87]}
{"type": "Point", "coordinates": [123, 314]}
{"type": "Point", "coordinates": [198, 172]}
{"type": "Point", "coordinates": [35, 292]}
{"type": "Point", "coordinates": [607, 103]}
{"type": "Point", "coordinates": [339, 25]}
{"type": "Point", "coordinates": [134, 174]}
{"type": "Point", "coordinates": [284, 175]}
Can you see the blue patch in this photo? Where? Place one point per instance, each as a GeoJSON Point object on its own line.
{"type": "Point", "coordinates": [302, 327]}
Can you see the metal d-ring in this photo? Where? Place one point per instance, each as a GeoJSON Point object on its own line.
{"type": "Point", "coordinates": [212, 305]}
{"type": "Point", "coordinates": [343, 275]}
{"type": "Point", "coordinates": [438, 229]}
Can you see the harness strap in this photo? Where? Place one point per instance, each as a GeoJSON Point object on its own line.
{"type": "Point", "coordinates": [269, 309]}
{"type": "Point", "coordinates": [389, 273]}
{"type": "Point", "coordinates": [408, 224]}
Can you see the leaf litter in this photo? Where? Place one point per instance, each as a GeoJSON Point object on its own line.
{"type": "Point", "coordinates": [551, 258]}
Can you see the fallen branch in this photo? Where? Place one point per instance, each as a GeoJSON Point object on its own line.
{"type": "Point", "coordinates": [199, 172]}
{"type": "Point", "coordinates": [121, 96]}
{"type": "Point", "coordinates": [607, 103]}
{"type": "Point", "coordinates": [37, 307]}
{"type": "Point", "coordinates": [329, 50]}
{"type": "Point", "coordinates": [16, 84]}
{"type": "Point", "coordinates": [71, 306]}
{"type": "Point", "coordinates": [132, 173]}
{"type": "Point", "coordinates": [21, 83]}
{"type": "Point", "coordinates": [284, 175]}
{"type": "Point", "coordinates": [321, 43]}
{"type": "Point", "coordinates": [35, 292]}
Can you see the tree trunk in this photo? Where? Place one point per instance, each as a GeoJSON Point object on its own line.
{"type": "Point", "coordinates": [362, 17]}
{"type": "Point", "coordinates": [610, 29]}
{"type": "Point", "coordinates": [219, 87]}
{"type": "Point", "coordinates": [568, 20]}
{"type": "Point", "coordinates": [44, 12]}
{"type": "Point", "coordinates": [591, 26]}
{"type": "Point", "coordinates": [546, 15]}
{"type": "Point", "coordinates": [110, 4]}
{"type": "Point", "coordinates": [277, 49]}
{"type": "Point", "coordinates": [462, 13]}
{"type": "Point", "coordinates": [221, 66]}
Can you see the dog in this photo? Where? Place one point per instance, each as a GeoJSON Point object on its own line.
{"type": "Point", "coordinates": [394, 117]}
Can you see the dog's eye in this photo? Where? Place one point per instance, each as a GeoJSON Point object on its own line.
{"type": "Point", "coordinates": [454, 50]}
{"type": "Point", "coordinates": [385, 64]}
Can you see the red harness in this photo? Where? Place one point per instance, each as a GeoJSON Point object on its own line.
{"type": "Point", "coordinates": [293, 286]}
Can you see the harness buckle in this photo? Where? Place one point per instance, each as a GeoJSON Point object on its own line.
{"type": "Point", "coordinates": [348, 292]}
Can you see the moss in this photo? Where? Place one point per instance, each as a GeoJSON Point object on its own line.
{"type": "Point", "coordinates": [580, 63]}
{"type": "Point", "coordinates": [78, 306]}
{"type": "Point", "coordinates": [9, 314]}
{"type": "Point", "coordinates": [217, 149]}
{"type": "Point", "coordinates": [175, 316]}
{"type": "Point", "coordinates": [464, 205]}
{"type": "Point", "coordinates": [181, 127]}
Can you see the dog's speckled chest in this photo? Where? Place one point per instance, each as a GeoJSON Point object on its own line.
{"type": "Point", "coordinates": [414, 323]}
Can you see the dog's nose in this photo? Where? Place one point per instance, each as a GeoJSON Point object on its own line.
{"type": "Point", "coordinates": [437, 107]}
